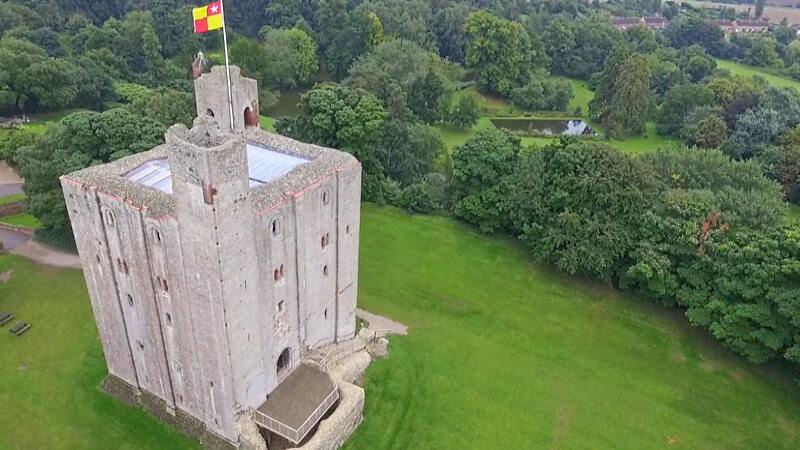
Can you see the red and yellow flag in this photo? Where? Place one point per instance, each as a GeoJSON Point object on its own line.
{"type": "Point", "coordinates": [207, 18]}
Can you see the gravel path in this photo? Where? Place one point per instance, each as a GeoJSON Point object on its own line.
{"type": "Point", "coordinates": [7, 175]}
{"type": "Point", "coordinates": [380, 323]}
{"type": "Point", "coordinates": [47, 256]}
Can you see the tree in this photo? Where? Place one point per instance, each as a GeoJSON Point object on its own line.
{"type": "Point", "coordinates": [792, 52]}
{"type": "Point", "coordinates": [282, 13]}
{"type": "Point", "coordinates": [448, 27]}
{"type": "Point", "coordinates": [543, 94]}
{"type": "Point", "coordinates": [17, 56]}
{"type": "Point", "coordinates": [641, 39]}
{"type": "Point", "coordinates": [499, 51]}
{"type": "Point", "coordinates": [406, 19]}
{"type": "Point", "coordinates": [687, 30]}
{"type": "Point", "coordinates": [559, 42]}
{"type": "Point", "coordinates": [763, 53]}
{"type": "Point", "coordinates": [166, 106]}
{"type": "Point", "coordinates": [412, 82]}
{"type": "Point", "coordinates": [578, 205]}
{"type": "Point", "coordinates": [624, 102]}
{"type": "Point", "coordinates": [755, 129]}
{"type": "Point", "coordinates": [465, 113]}
{"type": "Point", "coordinates": [704, 128]}
{"type": "Point", "coordinates": [346, 35]}
{"type": "Point", "coordinates": [481, 170]}
{"type": "Point", "coordinates": [407, 151]}
{"type": "Point", "coordinates": [697, 63]}
{"type": "Point", "coordinates": [759, 8]}
{"type": "Point", "coordinates": [291, 58]}
{"type": "Point", "coordinates": [79, 140]}
{"type": "Point", "coordinates": [677, 103]}
{"type": "Point", "coordinates": [336, 116]}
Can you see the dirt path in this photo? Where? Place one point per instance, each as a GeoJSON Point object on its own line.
{"type": "Point", "coordinates": [47, 256]}
{"type": "Point", "coordinates": [7, 175]}
{"type": "Point", "coordinates": [380, 323]}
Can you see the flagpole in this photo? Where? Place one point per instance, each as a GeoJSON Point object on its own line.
{"type": "Point", "coordinates": [227, 62]}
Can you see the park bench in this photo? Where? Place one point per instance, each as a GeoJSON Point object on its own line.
{"type": "Point", "coordinates": [5, 317]}
{"type": "Point", "coordinates": [19, 328]}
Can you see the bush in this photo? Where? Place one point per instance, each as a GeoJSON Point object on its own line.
{"type": "Point", "coordinates": [543, 94]}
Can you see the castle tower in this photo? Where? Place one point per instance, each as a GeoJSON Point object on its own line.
{"type": "Point", "coordinates": [214, 262]}
{"type": "Point", "coordinates": [212, 196]}
{"type": "Point", "coordinates": [211, 98]}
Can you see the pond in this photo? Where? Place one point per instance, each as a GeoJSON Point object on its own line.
{"type": "Point", "coordinates": [286, 105]}
{"type": "Point", "coordinates": [550, 127]}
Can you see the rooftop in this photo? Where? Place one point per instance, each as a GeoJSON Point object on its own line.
{"type": "Point", "coordinates": [298, 403]}
{"type": "Point", "coordinates": [265, 164]}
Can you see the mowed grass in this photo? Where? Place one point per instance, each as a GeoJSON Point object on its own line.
{"type": "Point", "coordinates": [23, 220]}
{"type": "Point", "coordinates": [49, 377]}
{"type": "Point", "coordinates": [748, 71]}
{"type": "Point", "coordinates": [12, 199]}
{"type": "Point", "coordinates": [506, 354]}
{"type": "Point", "coordinates": [502, 354]}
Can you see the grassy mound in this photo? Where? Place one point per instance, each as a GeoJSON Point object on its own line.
{"type": "Point", "coordinates": [502, 354]}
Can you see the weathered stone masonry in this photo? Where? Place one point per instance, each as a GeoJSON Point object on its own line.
{"type": "Point", "coordinates": [201, 294]}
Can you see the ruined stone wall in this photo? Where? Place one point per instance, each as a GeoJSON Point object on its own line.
{"type": "Point", "coordinates": [211, 96]}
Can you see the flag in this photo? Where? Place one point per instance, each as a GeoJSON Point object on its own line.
{"type": "Point", "coordinates": [207, 18]}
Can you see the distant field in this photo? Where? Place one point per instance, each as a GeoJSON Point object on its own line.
{"type": "Point", "coordinates": [11, 199]}
{"type": "Point", "coordinates": [748, 71]}
{"type": "Point", "coordinates": [774, 13]}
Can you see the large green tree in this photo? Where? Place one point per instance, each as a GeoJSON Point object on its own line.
{"type": "Point", "coordinates": [79, 140]}
{"type": "Point", "coordinates": [411, 81]}
{"type": "Point", "coordinates": [499, 51]}
{"type": "Point", "coordinates": [336, 116]}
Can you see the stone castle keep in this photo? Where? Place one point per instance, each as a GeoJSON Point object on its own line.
{"type": "Point", "coordinates": [215, 262]}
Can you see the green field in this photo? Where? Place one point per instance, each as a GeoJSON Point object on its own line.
{"type": "Point", "coordinates": [23, 220]}
{"type": "Point", "coordinates": [495, 107]}
{"type": "Point", "coordinates": [748, 71]}
{"type": "Point", "coordinates": [506, 354]}
{"type": "Point", "coordinates": [502, 354]}
{"type": "Point", "coordinates": [49, 376]}
{"type": "Point", "coordinates": [11, 199]}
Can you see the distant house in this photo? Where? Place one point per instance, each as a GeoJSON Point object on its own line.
{"type": "Point", "coordinates": [624, 23]}
{"type": "Point", "coordinates": [652, 22]}
{"type": "Point", "coordinates": [743, 26]}
{"type": "Point", "coordinates": [751, 26]}
{"type": "Point", "coordinates": [656, 22]}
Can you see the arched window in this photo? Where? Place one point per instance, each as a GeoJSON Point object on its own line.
{"type": "Point", "coordinates": [250, 117]}
{"type": "Point", "coordinates": [278, 274]}
{"type": "Point", "coordinates": [209, 112]}
{"type": "Point", "coordinates": [109, 217]}
{"type": "Point", "coordinates": [326, 197]}
{"type": "Point", "coordinates": [275, 226]}
{"type": "Point", "coordinates": [283, 361]}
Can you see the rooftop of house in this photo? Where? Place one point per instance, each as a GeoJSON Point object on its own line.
{"type": "Point", "coordinates": [277, 167]}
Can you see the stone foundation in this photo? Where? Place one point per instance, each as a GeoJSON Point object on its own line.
{"type": "Point", "coordinates": [156, 407]}
{"type": "Point", "coordinates": [346, 362]}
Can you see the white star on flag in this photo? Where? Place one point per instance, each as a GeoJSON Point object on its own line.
{"type": "Point", "coordinates": [214, 9]}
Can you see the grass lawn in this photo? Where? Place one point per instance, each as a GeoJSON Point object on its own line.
{"type": "Point", "coordinates": [453, 136]}
{"type": "Point", "coordinates": [23, 220]}
{"type": "Point", "coordinates": [748, 71]}
{"type": "Point", "coordinates": [11, 199]}
{"type": "Point", "coordinates": [49, 376]}
{"type": "Point", "coordinates": [506, 354]}
{"type": "Point", "coordinates": [502, 354]}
